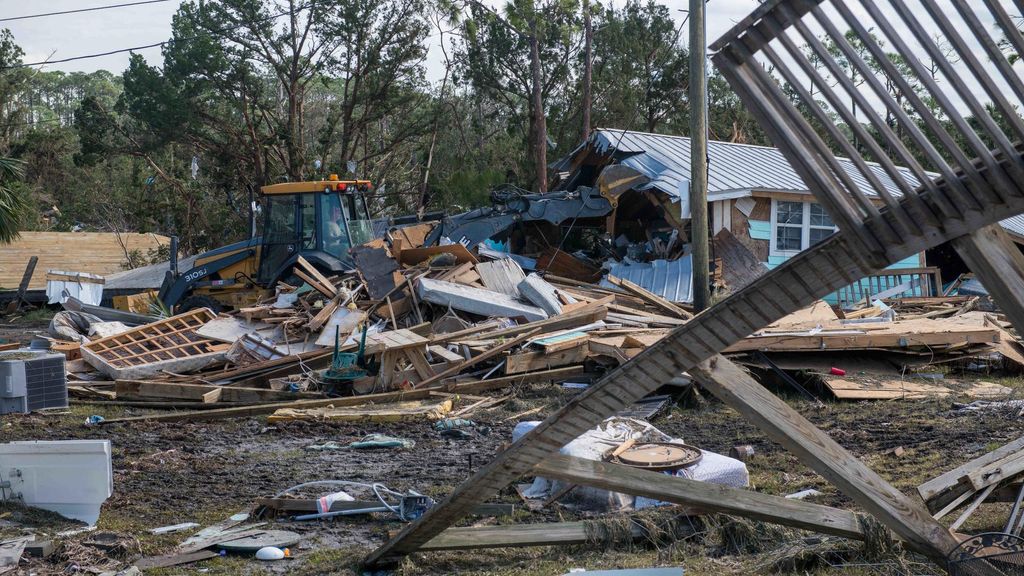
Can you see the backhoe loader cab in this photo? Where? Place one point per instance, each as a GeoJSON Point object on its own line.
{"type": "Point", "coordinates": [317, 220]}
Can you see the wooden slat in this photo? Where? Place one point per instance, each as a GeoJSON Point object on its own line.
{"type": "Point", "coordinates": [490, 353]}
{"type": "Point", "coordinates": [518, 535]}
{"type": "Point", "coordinates": [316, 274]}
{"type": "Point", "coordinates": [940, 485]}
{"type": "Point", "coordinates": [907, 518]}
{"type": "Point", "coordinates": [418, 394]}
{"type": "Point", "coordinates": [703, 496]}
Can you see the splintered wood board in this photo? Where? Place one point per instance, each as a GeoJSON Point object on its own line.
{"type": "Point", "coordinates": [166, 341]}
{"type": "Point", "coordinates": [394, 340]}
{"type": "Point", "coordinates": [818, 313]}
{"type": "Point", "coordinates": [906, 389]}
{"type": "Point", "coordinates": [895, 335]}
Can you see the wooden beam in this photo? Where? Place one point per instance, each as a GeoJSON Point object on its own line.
{"type": "Point", "coordinates": [906, 517]}
{"type": "Point", "coordinates": [316, 274]}
{"type": "Point", "coordinates": [491, 353]}
{"type": "Point", "coordinates": [518, 535]}
{"type": "Point", "coordinates": [941, 491]}
{"type": "Point", "coordinates": [418, 394]}
{"type": "Point", "coordinates": [540, 360]}
{"type": "Point", "coordinates": [586, 314]}
{"type": "Point", "coordinates": [26, 279]}
{"type": "Point", "coordinates": [997, 261]}
{"type": "Point", "coordinates": [309, 505]}
{"type": "Point", "coordinates": [126, 389]}
{"type": "Point", "coordinates": [703, 495]}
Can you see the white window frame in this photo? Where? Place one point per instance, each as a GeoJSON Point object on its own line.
{"type": "Point", "coordinates": [805, 229]}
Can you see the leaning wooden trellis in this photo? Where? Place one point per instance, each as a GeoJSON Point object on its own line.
{"type": "Point", "coordinates": [171, 344]}
{"type": "Point", "coordinates": [957, 191]}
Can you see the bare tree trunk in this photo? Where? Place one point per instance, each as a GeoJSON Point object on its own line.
{"type": "Point", "coordinates": [540, 128]}
{"type": "Point", "coordinates": [588, 67]}
{"type": "Point", "coordinates": [421, 208]}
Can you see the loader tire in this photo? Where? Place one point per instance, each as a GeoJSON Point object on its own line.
{"type": "Point", "coordinates": [195, 302]}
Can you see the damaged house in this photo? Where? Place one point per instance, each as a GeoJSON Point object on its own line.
{"type": "Point", "coordinates": [754, 194]}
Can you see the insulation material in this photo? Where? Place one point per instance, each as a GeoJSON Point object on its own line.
{"type": "Point", "coordinates": [476, 300]}
{"type": "Point", "coordinates": [539, 292]}
{"type": "Point", "coordinates": [593, 444]}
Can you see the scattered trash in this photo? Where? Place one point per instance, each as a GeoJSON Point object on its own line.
{"type": "Point", "coordinates": [173, 528]}
{"type": "Point", "coordinates": [803, 494]}
{"type": "Point", "coordinates": [452, 423]}
{"type": "Point", "coordinates": [270, 553]}
{"type": "Point", "coordinates": [741, 452]}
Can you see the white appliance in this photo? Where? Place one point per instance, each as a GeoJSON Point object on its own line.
{"type": "Point", "coordinates": [70, 477]}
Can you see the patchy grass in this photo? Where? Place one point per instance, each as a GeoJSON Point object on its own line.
{"type": "Point", "coordinates": [205, 472]}
{"type": "Point", "coordinates": [35, 316]}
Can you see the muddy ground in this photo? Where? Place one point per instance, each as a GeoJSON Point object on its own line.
{"type": "Point", "coordinates": [168, 473]}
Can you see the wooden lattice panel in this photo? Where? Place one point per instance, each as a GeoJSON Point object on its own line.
{"type": "Point", "coordinates": [171, 339]}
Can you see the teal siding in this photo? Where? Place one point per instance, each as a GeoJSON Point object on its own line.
{"type": "Point", "coordinates": [760, 229]}
{"type": "Point", "coordinates": [865, 285]}
{"type": "Point", "coordinates": [909, 262]}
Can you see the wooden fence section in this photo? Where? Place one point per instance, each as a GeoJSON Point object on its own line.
{"type": "Point", "coordinates": [891, 283]}
{"type": "Point", "coordinates": [100, 253]}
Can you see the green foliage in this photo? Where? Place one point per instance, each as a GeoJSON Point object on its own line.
{"type": "Point", "coordinates": [640, 69]}
{"type": "Point", "coordinates": [12, 205]}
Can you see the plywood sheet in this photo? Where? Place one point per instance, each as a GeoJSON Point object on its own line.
{"type": "Point", "coordinates": [99, 253]}
{"type": "Point", "coordinates": [891, 389]}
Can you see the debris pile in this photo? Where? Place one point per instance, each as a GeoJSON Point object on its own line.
{"type": "Point", "coordinates": [414, 318]}
{"type": "Point", "coordinates": [422, 334]}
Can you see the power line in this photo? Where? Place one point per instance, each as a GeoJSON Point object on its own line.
{"type": "Point", "coordinates": [81, 10]}
{"type": "Point", "coordinates": [154, 45]}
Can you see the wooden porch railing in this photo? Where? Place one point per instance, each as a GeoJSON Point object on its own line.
{"type": "Point", "coordinates": [890, 284]}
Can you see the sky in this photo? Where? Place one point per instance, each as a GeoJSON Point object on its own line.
{"type": "Point", "coordinates": [64, 36]}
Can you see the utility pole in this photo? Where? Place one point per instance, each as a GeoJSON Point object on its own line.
{"type": "Point", "coordinates": [699, 157]}
{"type": "Point", "coordinates": [588, 67]}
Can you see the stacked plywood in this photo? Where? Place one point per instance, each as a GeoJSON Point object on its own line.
{"type": "Point", "coordinates": [100, 253]}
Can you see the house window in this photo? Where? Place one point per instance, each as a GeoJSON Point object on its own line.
{"type": "Point", "coordinates": [797, 226]}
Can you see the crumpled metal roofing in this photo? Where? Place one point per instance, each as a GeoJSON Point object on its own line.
{"type": "Point", "coordinates": [732, 167]}
{"type": "Point", "coordinates": [672, 280]}
{"type": "Point", "coordinates": [1014, 225]}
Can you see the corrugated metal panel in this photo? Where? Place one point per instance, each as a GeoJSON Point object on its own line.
{"type": "Point", "coordinates": [732, 167]}
{"type": "Point", "coordinates": [672, 280]}
{"type": "Point", "coordinates": [1014, 225]}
